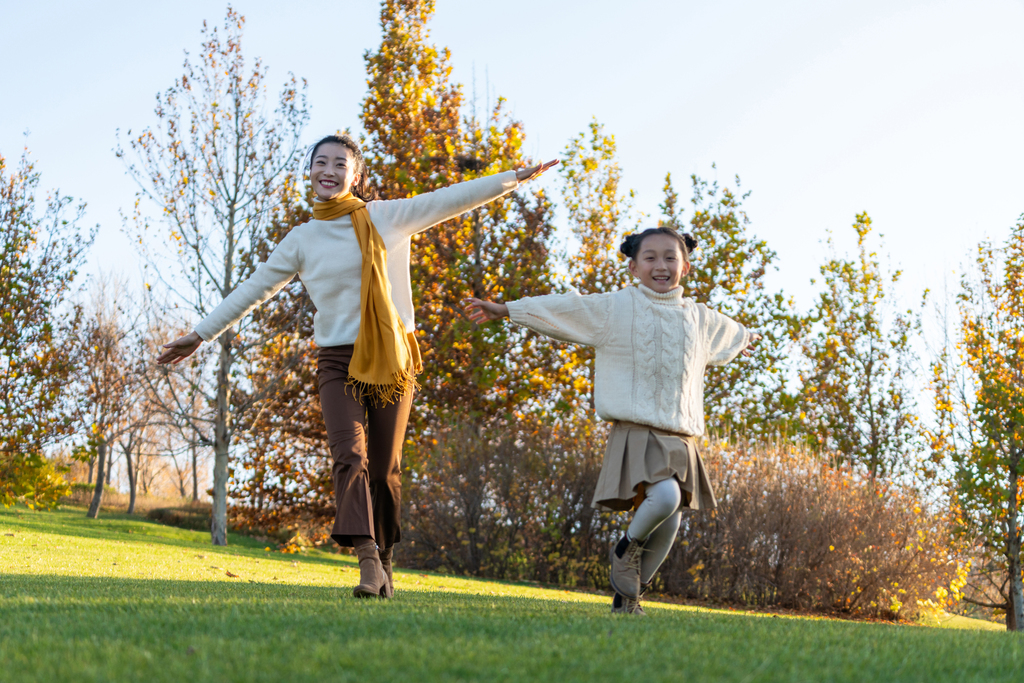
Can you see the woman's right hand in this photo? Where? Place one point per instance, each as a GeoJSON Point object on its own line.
{"type": "Point", "coordinates": [480, 311]}
{"type": "Point", "coordinates": [179, 349]}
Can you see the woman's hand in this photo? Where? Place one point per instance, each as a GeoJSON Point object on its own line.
{"type": "Point", "coordinates": [524, 174]}
{"type": "Point", "coordinates": [749, 349]}
{"type": "Point", "coordinates": [483, 311]}
{"type": "Point", "coordinates": [179, 349]}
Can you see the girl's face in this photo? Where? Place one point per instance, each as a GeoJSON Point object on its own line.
{"type": "Point", "coordinates": [659, 264]}
{"type": "Point", "coordinates": [333, 171]}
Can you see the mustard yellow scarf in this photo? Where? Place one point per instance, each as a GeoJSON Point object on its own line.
{"type": "Point", "coordinates": [386, 357]}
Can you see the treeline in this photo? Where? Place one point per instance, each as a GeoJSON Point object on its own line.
{"type": "Point", "coordinates": [503, 448]}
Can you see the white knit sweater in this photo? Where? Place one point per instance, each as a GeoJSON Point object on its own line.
{"type": "Point", "coordinates": [327, 258]}
{"type": "Point", "coordinates": [651, 350]}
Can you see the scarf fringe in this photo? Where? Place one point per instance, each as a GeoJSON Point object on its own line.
{"type": "Point", "coordinates": [384, 394]}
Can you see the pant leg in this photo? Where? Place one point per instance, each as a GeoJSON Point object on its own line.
{"type": "Point", "coordinates": [345, 419]}
{"type": "Point", "coordinates": [661, 501]}
{"type": "Point", "coordinates": [658, 545]}
{"type": "Point", "coordinates": [386, 434]}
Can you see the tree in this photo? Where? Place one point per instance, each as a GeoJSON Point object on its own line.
{"type": "Point", "coordinates": [215, 167]}
{"type": "Point", "coordinates": [110, 378]}
{"type": "Point", "coordinates": [729, 274]}
{"type": "Point", "coordinates": [979, 404]}
{"type": "Point", "coordinates": [39, 260]}
{"type": "Point", "coordinates": [856, 399]}
{"type": "Point", "coordinates": [417, 140]}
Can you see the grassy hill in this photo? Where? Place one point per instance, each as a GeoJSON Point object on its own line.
{"type": "Point", "coordinates": [123, 599]}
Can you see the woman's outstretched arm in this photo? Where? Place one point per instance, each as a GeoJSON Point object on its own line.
{"type": "Point", "coordinates": [278, 270]}
{"type": "Point", "coordinates": [179, 349]}
{"type": "Point", "coordinates": [416, 214]}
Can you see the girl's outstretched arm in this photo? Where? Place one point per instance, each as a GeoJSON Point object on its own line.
{"type": "Point", "coordinates": [750, 344]}
{"type": "Point", "coordinates": [480, 311]}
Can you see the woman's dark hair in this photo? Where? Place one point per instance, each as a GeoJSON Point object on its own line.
{"type": "Point", "coordinates": [631, 245]}
{"type": "Point", "coordinates": [360, 188]}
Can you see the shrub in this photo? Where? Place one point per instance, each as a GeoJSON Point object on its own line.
{"type": "Point", "coordinates": [509, 505]}
{"type": "Point", "coordinates": [793, 531]}
{"type": "Point", "coordinates": [195, 516]}
{"type": "Point", "coordinates": [513, 502]}
{"type": "Point", "coordinates": [30, 479]}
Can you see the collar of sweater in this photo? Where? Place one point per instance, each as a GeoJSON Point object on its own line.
{"type": "Point", "coordinates": [673, 297]}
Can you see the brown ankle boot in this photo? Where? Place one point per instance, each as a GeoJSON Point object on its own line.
{"type": "Point", "coordinates": [385, 562]}
{"type": "Point", "coordinates": [372, 581]}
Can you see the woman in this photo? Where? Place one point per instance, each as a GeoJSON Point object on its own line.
{"type": "Point", "coordinates": [353, 259]}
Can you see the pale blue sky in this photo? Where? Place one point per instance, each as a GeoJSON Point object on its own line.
{"type": "Point", "coordinates": [912, 111]}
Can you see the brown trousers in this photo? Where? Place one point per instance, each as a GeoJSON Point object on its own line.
{"type": "Point", "coordinates": [366, 444]}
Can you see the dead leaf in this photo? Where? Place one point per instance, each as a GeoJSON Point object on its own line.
{"type": "Point", "coordinates": [8, 534]}
{"type": "Point", "coordinates": [228, 572]}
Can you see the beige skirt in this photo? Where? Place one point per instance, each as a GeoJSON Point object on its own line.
{"type": "Point", "coordinates": [639, 455]}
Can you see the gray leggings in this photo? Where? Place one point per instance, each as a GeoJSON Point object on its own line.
{"type": "Point", "coordinates": [657, 520]}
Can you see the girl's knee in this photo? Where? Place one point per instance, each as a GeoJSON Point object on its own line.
{"type": "Point", "coordinates": [665, 496]}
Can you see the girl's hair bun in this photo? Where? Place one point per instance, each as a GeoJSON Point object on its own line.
{"type": "Point", "coordinates": [690, 241]}
{"type": "Point", "coordinates": [629, 245]}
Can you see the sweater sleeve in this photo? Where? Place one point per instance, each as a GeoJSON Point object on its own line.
{"type": "Point", "coordinates": [725, 337]}
{"type": "Point", "coordinates": [277, 271]}
{"type": "Point", "coordinates": [416, 214]}
{"type": "Point", "coordinates": [569, 317]}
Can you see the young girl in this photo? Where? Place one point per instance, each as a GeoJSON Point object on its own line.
{"type": "Point", "coordinates": [353, 259]}
{"type": "Point", "coordinates": [652, 346]}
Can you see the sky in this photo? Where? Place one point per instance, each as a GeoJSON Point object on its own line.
{"type": "Point", "coordinates": [911, 111]}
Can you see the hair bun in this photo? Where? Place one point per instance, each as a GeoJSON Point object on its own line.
{"type": "Point", "coordinates": [629, 245]}
{"type": "Point", "coordinates": [690, 241]}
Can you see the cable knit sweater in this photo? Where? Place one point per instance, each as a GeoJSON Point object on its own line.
{"type": "Point", "coordinates": [652, 349]}
{"type": "Point", "coordinates": [327, 258]}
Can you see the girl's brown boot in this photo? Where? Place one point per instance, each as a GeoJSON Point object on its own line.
{"type": "Point", "coordinates": [385, 562]}
{"type": "Point", "coordinates": [373, 582]}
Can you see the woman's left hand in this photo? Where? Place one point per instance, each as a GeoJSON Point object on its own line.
{"type": "Point", "coordinates": [753, 338]}
{"type": "Point", "coordinates": [524, 174]}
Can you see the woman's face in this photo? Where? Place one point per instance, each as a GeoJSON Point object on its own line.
{"type": "Point", "coordinates": [659, 263]}
{"type": "Point", "coordinates": [333, 171]}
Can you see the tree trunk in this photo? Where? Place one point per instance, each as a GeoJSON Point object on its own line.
{"type": "Point", "coordinates": [131, 480]}
{"type": "Point", "coordinates": [222, 439]}
{"type": "Point", "coordinates": [1015, 611]}
{"type": "Point", "coordinates": [92, 465]}
{"type": "Point", "coordinates": [195, 473]}
{"type": "Point", "coordinates": [97, 496]}
{"type": "Point", "coordinates": [110, 466]}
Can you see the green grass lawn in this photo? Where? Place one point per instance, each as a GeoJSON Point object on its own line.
{"type": "Point", "coordinates": [121, 599]}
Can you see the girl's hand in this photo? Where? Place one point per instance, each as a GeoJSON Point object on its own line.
{"type": "Point", "coordinates": [753, 338]}
{"type": "Point", "coordinates": [524, 174]}
{"type": "Point", "coordinates": [179, 349]}
{"type": "Point", "coordinates": [483, 311]}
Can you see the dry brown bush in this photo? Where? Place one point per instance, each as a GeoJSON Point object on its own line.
{"type": "Point", "coordinates": [790, 530]}
{"type": "Point", "coordinates": [482, 501]}
{"type": "Point", "coordinates": [793, 531]}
